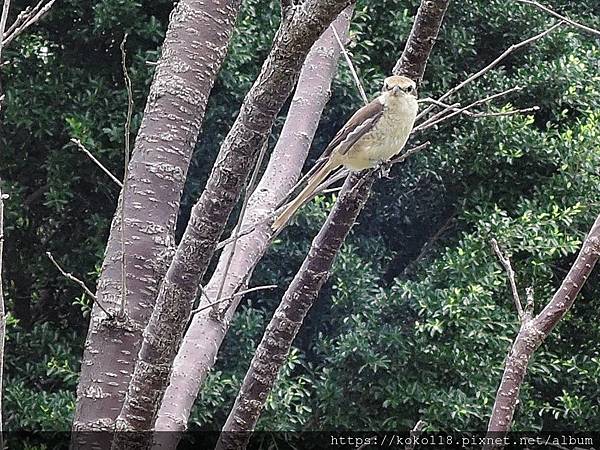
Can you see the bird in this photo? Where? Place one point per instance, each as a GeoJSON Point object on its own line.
{"type": "Point", "coordinates": [374, 134]}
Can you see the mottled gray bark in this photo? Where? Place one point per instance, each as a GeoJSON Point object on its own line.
{"type": "Point", "coordinates": [194, 48]}
{"type": "Point", "coordinates": [305, 287]}
{"type": "Point", "coordinates": [178, 290]}
{"type": "Point", "coordinates": [534, 330]}
{"type": "Point", "coordinates": [203, 338]}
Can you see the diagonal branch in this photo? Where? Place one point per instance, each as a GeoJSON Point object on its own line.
{"type": "Point", "coordinates": [69, 276]}
{"type": "Point", "coordinates": [357, 81]}
{"type": "Point", "coordinates": [25, 19]}
{"type": "Point", "coordinates": [236, 159]}
{"type": "Point", "coordinates": [561, 17]}
{"type": "Point", "coordinates": [491, 65]}
{"type": "Point", "coordinates": [534, 330]}
{"type": "Point", "coordinates": [303, 291]}
{"type": "Point", "coordinates": [98, 163]}
{"type": "Point", "coordinates": [505, 261]}
{"type": "Point", "coordinates": [207, 330]}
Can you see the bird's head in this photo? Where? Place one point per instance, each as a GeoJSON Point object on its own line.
{"type": "Point", "coordinates": [398, 85]}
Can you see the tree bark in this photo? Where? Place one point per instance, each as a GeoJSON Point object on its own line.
{"type": "Point", "coordinates": [297, 33]}
{"type": "Point", "coordinates": [193, 51]}
{"type": "Point", "coordinates": [199, 348]}
{"type": "Point", "coordinates": [534, 330]}
{"type": "Point", "coordinates": [304, 289]}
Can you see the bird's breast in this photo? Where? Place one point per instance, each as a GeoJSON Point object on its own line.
{"type": "Point", "coordinates": [386, 139]}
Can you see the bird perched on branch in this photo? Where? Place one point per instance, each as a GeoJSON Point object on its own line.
{"type": "Point", "coordinates": [374, 134]}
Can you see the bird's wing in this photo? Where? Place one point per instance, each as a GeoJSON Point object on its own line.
{"type": "Point", "coordinates": [357, 126]}
{"type": "Point", "coordinates": [360, 123]}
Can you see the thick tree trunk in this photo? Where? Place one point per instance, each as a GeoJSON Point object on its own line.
{"type": "Point", "coordinates": [297, 33]}
{"type": "Point", "coordinates": [534, 330]}
{"type": "Point", "coordinates": [304, 289]}
{"type": "Point", "coordinates": [193, 51]}
{"type": "Point", "coordinates": [203, 338]}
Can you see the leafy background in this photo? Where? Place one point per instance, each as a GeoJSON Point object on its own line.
{"type": "Point", "coordinates": [417, 318]}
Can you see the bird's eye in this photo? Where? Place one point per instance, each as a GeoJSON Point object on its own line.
{"type": "Point", "coordinates": [409, 90]}
{"type": "Point", "coordinates": [386, 87]}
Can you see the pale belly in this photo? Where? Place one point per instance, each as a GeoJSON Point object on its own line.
{"type": "Point", "coordinates": [381, 147]}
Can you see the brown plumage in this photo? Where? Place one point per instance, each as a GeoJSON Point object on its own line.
{"type": "Point", "coordinates": [375, 133]}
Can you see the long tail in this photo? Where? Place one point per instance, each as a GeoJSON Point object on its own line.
{"type": "Point", "coordinates": [313, 183]}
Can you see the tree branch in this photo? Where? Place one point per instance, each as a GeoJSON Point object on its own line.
{"type": "Point", "coordinates": [302, 292]}
{"type": "Point", "coordinates": [207, 330]}
{"type": "Point", "coordinates": [561, 17]}
{"type": "Point", "coordinates": [534, 330]}
{"type": "Point", "coordinates": [69, 276]}
{"type": "Point", "coordinates": [25, 19]}
{"type": "Point", "coordinates": [235, 161]}
{"type": "Point", "coordinates": [505, 261]}
{"type": "Point", "coordinates": [491, 65]}
{"type": "Point", "coordinates": [98, 163]}
{"type": "Point", "coordinates": [2, 309]}
{"type": "Point", "coordinates": [357, 81]}
{"type": "Point", "coordinates": [195, 45]}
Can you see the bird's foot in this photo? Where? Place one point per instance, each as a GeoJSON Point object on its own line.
{"type": "Point", "coordinates": [383, 170]}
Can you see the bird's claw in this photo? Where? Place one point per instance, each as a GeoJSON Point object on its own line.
{"type": "Point", "coordinates": [383, 171]}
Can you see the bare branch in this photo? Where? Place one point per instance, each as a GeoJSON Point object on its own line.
{"type": "Point", "coordinates": [456, 107]}
{"type": "Point", "coordinates": [249, 189]}
{"type": "Point", "coordinates": [2, 309]}
{"type": "Point", "coordinates": [98, 163]}
{"type": "Point", "coordinates": [304, 289]}
{"type": "Point", "coordinates": [561, 17]}
{"type": "Point", "coordinates": [26, 20]}
{"type": "Point", "coordinates": [127, 153]}
{"type": "Point", "coordinates": [359, 85]}
{"type": "Point", "coordinates": [442, 116]}
{"type": "Point", "coordinates": [76, 280]}
{"type": "Point", "coordinates": [491, 65]}
{"type": "Point", "coordinates": [496, 61]}
{"type": "Point", "coordinates": [231, 297]}
{"type": "Point", "coordinates": [505, 261]}
{"type": "Point", "coordinates": [3, 19]}
{"type": "Point", "coordinates": [534, 330]}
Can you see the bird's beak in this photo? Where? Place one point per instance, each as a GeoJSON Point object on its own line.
{"type": "Point", "coordinates": [396, 90]}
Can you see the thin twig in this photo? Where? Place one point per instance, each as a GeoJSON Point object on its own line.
{"type": "Point", "coordinates": [560, 16]}
{"type": "Point", "coordinates": [98, 163]}
{"type": "Point", "coordinates": [249, 189]}
{"type": "Point", "coordinates": [493, 64]}
{"type": "Point", "coordinates": [20, 18]}
{"type": "Point", "coordinates": [510, 112]}
{"type": "Point", "coordinates": [231, 297]}
{"type": "Point", "coordinates": [74, 279]}
{"type": "Point", "coordinates": [435, 120]}
{"type": "Point", "coordinates": [359, 85]}
{"type": "Point", "coordinates": [505, 261]}
{"type": "Point", "coordinates": [3, 19]}
{"type": "Point", "coordinates": [2, 310]}
{"type": "Point", "coordinates": [127, 132]}
{"type": "Point", "coordinates": [34, 15]}
{"type": "Point", "coordinates": [456, 107]}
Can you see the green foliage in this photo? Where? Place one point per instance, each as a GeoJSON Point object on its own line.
{"type": "Point", "coordinates": [417, 317]}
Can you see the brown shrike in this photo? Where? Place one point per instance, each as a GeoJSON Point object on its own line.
{"type": "Point", "coordinates": [374, 134]}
